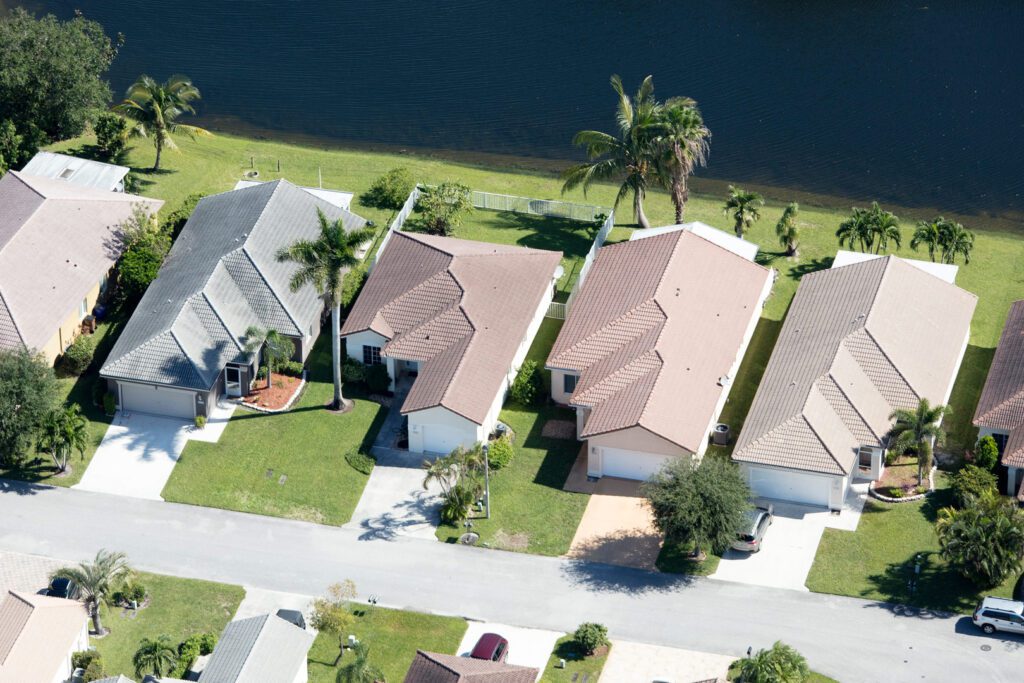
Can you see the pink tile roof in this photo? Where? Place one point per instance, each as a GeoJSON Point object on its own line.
{"type": "Point", "coordinates": [37, 634]}
{"type": "Point", "coordinates": [1001, 405]}
{"type": "Point", "coordinates": [431, 667]}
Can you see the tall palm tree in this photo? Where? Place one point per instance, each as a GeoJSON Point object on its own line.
{"type": "Point", "coordinates": [155, 656]}
{"type": "Point", "coordinates": [95, 581]}
{"type": "Point", "coordinates": [984, 541]}
{"type": "Point", "coordinates": [277, 348]}
{"type": "Point", "coordinates": [153, 108]}
{"type": "Point", "coordinates": [856, 230]}
{"type": "Point", "coordinates": [684, 139]}
{"type": "Point", "coordinates": [788, 230]}
{"type": "Point", "coordinates": [360, 670]}
{"type": "Point", "coordinates": [885, 226]}
{"type": "Point", "coordinates": [918, 430]}
{"type": "Point", "coordinates": [956, 241]}
{"type": "Point", "coordinates": [742, 207]}
{"type": "Point", "coordinates": [323, 263]}
{"type": "Point", "coordinates": [63, 431]}
{"type": "Point", "coordinates": [929, 234]}
{"type": "Point", "coordinates": [631, 156]}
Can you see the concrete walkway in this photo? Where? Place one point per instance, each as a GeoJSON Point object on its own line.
{"type": "Point", "coordinates": [631, 662]}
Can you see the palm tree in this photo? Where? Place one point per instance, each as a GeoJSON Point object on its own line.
{"type": "Point", "coordinates": [956, 241]}
{"type": "Point", "coordinates": [885, 226]}
{"type": "Point", "coordinates": [360, 670]}
{"type": "Point", "coordinates": [95, 581]}
{"type": "Point", "coordinates": [984, 541]}
{"type": "Point", "coordinates": [684, 139]}
{"type": "Point", "coordinates": [323, 263]}
{"type": "Point", "coordinates": [631, 157]}
{"type": "Point", "coordinates": [856, 230]}
{"type": "Point", "coordinates": [928, 233]}
{"type": "Point", "coordinates": [63, 431]}
{"type": "Point", "coordinates": [153, 109]}
{"type": "Point", "coordinates": [277, 348]}
{"type": "Point", "coordinates": [742, 206]}
{"type": "Point", "coordinates": [780, 664]}
{"type": "Point", "coordinates": [788, 230]}
{"type": "Point", "coordinates": [155, 656]}
{"type": "Point", "coordinates": [918, 430]}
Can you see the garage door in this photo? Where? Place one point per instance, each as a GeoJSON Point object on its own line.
{"type": "Point", "coordinates": [789, 485]}
{"type": "Point", "coordinates": [146, 398]}
{"type": "Point", "coordinates": [441, 438]}
{"type": "Point", "coordinates": [639, 465]}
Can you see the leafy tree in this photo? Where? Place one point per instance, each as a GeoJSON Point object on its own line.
{"type": "Point", "coordinates": [390, 191]}
{"type": "Point", "coordinates": [590, 636]}
{"type": "Point", "coordinates": [916, 430]}
{"type": "Point", "coordinates": [277, 348]}
{"type": "Point", "coordinates": [460, 476]}
{"type": "Point", "coordinates": [64, 430]}
{"type": "Point", "coordinates": [703, 504]}
{"type": "Point", "coordinates": [332, 612]}
{"type": "Point", "coordinates": [984, 541]}
{"type": "Point", "coordinates": [175, 220]}
{"type": "Point", "coordinates": [360, 669]}
{"type": "Point", "coordinates": [971, 483]}
{"type": "Point", "coordinates": [137, 268]}
{"type": "Point", "coordinates": [742, 207]}
{"type": "Point", "coordinates": [51, 77]}
{"type": "Point", "coordinates": [96, 581]}
{"type": "Point", "coordinates": [928, 234]}
{"type": "Point", "coordinates": [683, 139]}
{"type": "Point", "coordinates": [956, 241]}
{"type": "Point", "coordinates": [155, 656]}
{"type": "Point", "coordinates": [28, 392]}
{"type": "Point", "coordinates": [630, 157]}
{"type": "Point", "coordinates": [856, 230]}
{"type": "Point", "coordinates": [788, 229]}
{"type": "Point", "coordinates": [112, 132]}
{"type": "Point", "coordinates": [10, 144]}
{"type": "Point", "coordinates": [780, 664]}
{"type": "Point", "coordinates": [442, 208]}
{"type": "Point", "coordinates": [528, 387]}
{"type": "Point", "coordinates": [154, 108]}
{"type": "Point", "coordinates": [986, 453]}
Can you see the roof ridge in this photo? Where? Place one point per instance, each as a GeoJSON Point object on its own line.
{"type": "Point", "coordinates": [719, 246]}
{"type": "Point", "coordinates": [642, 358]}
{"type": "Point", "coordinates": [273, 293]}
{"type": "Point", "coordinates": [821, 440]}
{"type": "Point", "coordinates": [253, 642]}
{"type": "Point", "coordinates": [10, 314]}
{"type": "Point", "coordinates": [462, 359]}
{"type": "Point", "coordinates": [999, 406]}
{"type": "Point", "coordinates": [612, 323]}
{"type": "Point", "coordinates": [447, 271]}
{"type": "Point", "coordinates": [202, 293]}
{"type": "Point", "coordinates": [849, 400]}
{"type": "Point", "coordinates": [888, 360]}
{"type": "Point", "coordinates": [185, 353]}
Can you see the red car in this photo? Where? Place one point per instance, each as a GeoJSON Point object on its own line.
{"type": "Point", "coordinates": [491, 646]}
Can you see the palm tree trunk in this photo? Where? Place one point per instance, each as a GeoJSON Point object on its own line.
{"type": "Point", "coordinates": [339, 400]}
{"type": "Point", "coordinates": [638, 209]}
{"type": "Point", "coordinates": [159, 149]}
{"type": "Point", "coordinates": [95, 609]}
{"type": "Point", "coordinates": [679, 196]}
{"type": "Point", "coordinates": [270, 377]}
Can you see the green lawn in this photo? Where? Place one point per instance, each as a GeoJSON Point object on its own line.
{"type": "Point", "coordinates": [307, 445]}
{"type": "Point", "coordinates": [674, 558]}
{"type": "Point", "coordinates": [178, 608]}
{"type": "Point", "coordinates": [393, 637]}
{"type": "Point", "coordinates": [875, 561]}
{"type": "Point", "coordinates": [576, 663]}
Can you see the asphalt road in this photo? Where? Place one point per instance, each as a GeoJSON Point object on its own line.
{"type": "Point", "coordinates": [852, 640]}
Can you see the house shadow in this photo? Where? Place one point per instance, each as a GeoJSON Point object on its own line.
{"type": "Point", "coordinates": [560, 454]}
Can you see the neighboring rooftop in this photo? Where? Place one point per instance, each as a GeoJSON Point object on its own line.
{"type": "Point", "coordinates": [36, 635]}
{"type": "Point", "coordinates": [81, 172]}
{"type": "Point", "coordinates": [57, 240]}
{"type": "Point", "coordinates": [342, 200]}
{"type": "Point", "coordinates": [736, 245]}
{"type": "Point", "coordinates": [262, 649]}
{"type": "Point", "coordinates": [653, 332]}
{"type": "Point", "coordinates": [943, 271]}
{"type": "Point", "coordinates": [460, 308]}
{"type": "Point", "coordinates": [859, 341]}
{"type": "Point", "coordinates": [221, 276]}
{"type": "Point", "coordinates": [431, 667]}
{"type": "Point", "coordinates": [1001, 405]}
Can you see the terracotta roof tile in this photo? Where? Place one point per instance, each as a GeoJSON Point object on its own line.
{"type": "Point", "coordinates": [431, 667]}
{"type": "Point", "coordinates": [1001, 405]}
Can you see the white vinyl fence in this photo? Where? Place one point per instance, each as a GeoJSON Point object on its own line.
{"type": "Point", "coordinates": [403, 215]}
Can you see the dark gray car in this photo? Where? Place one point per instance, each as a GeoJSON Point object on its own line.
{"type": "Point", "coordinates": [758, 520]}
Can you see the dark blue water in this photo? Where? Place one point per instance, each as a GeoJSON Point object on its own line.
{"type": "Point", "coordinates": [918, 103]}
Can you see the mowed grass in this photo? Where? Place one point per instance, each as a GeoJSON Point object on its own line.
{"type": "Point", "coordinates": [178, 608]}
{"type": "Point", "coordinates": [393, 637]}
{"type": "Point", "coordinates": [287, 464]}
{"type": "Point", "coordinates": [577, 665]}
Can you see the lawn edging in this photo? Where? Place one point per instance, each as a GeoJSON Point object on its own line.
{"type": "Point", "coordinates": [906, 499]}
{"type": "Point", "coordinates": [286, 407]}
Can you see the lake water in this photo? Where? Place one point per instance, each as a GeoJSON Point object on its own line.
{"type": "Point", "coordinates": [917, 103]}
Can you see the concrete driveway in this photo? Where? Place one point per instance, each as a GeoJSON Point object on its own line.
{"type": "Point", "coordinates": [395, 504]}
{"type": "Point", "coordinates": [258, 601]}
{"type": "Point", "coordinates": [526, 646]}
{"type": "Point", "coordinates": [617, 527]}
{"type": "Point", "coordinates": [635, 662]}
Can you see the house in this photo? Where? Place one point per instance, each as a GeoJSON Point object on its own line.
{"type": "Point", "coordinates": [38, 635]}
{"type": "Point", "coordinates": [737, 245]}
{"type": "Point", "coordinates": [1000, 412]}
{"type": "Point", "coordinates": [82, 172]}
{"type": "Point", "coordinates": [184, 345]}
{"type": "Point", "coordinates": [342, 200]}
{"type": "Point", "coordinates": [58, 245]}
{"type": "Point", "coordinates": [860, 341]}
{"type": "Point", "coordinates": [431, 667]}
{"type": "Point", "coordinates": [651, 346]}
{"type": "Point", "coordinates": [261, 649]}
{"type": "Point", "coordinates": [455, 318]}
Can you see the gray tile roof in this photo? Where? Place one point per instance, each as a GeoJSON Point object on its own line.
{"type": "Point", "coordinates": [262, 649]}
{"type": "Point", "coordinates": [222, 276]}
{"type": "Point", "coordinates": [82, 172]}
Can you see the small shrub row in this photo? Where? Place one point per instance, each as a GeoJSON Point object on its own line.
{"type": "Point", "coordinates": [91, 662]}
{"type": "Point", "coordinates": [190, 649]}
{"type": "Point", "coordinates": [132, 590]}
{"type": "Point", "coordinates": [360, 462]}
{"type": "Point", "coordinates": [353, 371]}
{"type": "Point", "coordinates": [78, 357]}
{"type": "Point", "coordinates": [500, 453]}
{"type": "Point", "coordinates": [528, 387]}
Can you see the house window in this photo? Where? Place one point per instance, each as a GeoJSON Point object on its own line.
{"type": "Point", "coordinates": [569, 383]}
{"type": "Point", "coordinates": [83, 309]}
{"type": "Point", "coordinates": [864, 457]}
{"type": "Point", "coordinates": [371, 355]}
{"type": "Point", "coordinates": [1001, 441]}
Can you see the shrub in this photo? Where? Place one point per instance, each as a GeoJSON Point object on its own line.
{"type": "Point", "coordinates": [528, 387]}
{"type": "Point", "coordinates": [190, 649]}
{"type": "Point", "coordinates": [390, 190]}
{"type": "Point", "coordinates": [111, 134]}
{"type": "Point", "coordinates": [83, 658]}
{"type": "Point", "coordinates": [984, 542]}
{"type": "Point", "coordinates": [590, 636]}
{"type": "Point", "coordinates": [500, 453]}
{"type": "Point", "coordinates": [986, 453]}
{"type": "Point", "coordinates": [780, 664]}
{"type": "Point", "coordinates": [455, 503]}
{"type": "Point", "coordinates": [28, 392]}
{"type": "Point", "coordinates": [292, 368]}
{"type": "Point", "coordinates": [377, 379]}
{"type": "Point", "coordinates": [138, 267]}
{"type": "Point", "coordinates": [109, 404]}
{"type": "Point", "coordinates": [200, 421]}
{"type": "Point", "coordinates": [78, 357]}
{"type": "Point", "coordinates": [132, 590]}
{"type": "Point", "coordinates": [175, 220]}
{"type": "Point", "coordinates": [261, 374]}
{"type": "Point", "coordinates": [970, 484]}
{"type": "Point", "coordinates": [919, 490]}
{"type": "Point", "coordinates": [360, 462]}
{"type": "Point", "coordinates": [894, 492]}
{"type": "Point", "coordinates": [94, 672]}
{"type": "Point", "coordinates": [207, 641]}
{"type": "Point", "coordinates": [443, 207]}
{"type": "Point", "coordinates": [99, 390]}
{"type": "Point", "coordinates": [352, 284]}
{"type": "Point", "coordinates": [352, 370]}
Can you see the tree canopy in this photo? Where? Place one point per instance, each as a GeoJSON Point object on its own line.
{"type": "Point", "coordinates": [28, 392]}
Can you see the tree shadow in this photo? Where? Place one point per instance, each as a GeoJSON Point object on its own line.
{"type": "Point", "coordinates": [22, 488]}
{"type": "Point", "coordinates": [560, 454]}
{"type": "Point", "coordinates": [767, 258]}
{"type": "Point", "coordinates": [814, 265]}
{"type": "Point", "coordinates": [571, 237]}
{"type": "Point", "coordinates": [607, 578]}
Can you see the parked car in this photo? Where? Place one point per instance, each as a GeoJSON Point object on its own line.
{"type": "Point", "coordinates": [293, 616]}
{"type": "Point", "coordinates": [749, 539]}
{"type": "Point", "coordinates": [999, 614]}
{"type": "Point", "coordinates": [490, 646]}
{"type": "Point", "coordinates": [61, 588]}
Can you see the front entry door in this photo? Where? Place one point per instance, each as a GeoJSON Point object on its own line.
{"type": "Point", "coordinates": [233, 381]}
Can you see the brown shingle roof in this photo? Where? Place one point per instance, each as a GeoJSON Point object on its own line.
{"type": "Point", "coordinates": [460, 308]}
{"type": "Point", "coordinates": [36, 635]}
{"type": "Point", "coordinates": [1001, 405]}
{"type": "Point", "coordinates": [858, 329]}
{"type": "Point", "coordinates": [655, 326]}
{"type": "Point", "coordinates": [431, 667]}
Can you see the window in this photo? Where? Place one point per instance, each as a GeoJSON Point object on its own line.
{"type": "Point", "coordinates": [371, 355]}
{"type": "Point", "coordinates": [864, 456]}
{"type": "Point", "coordinates": [1000, 441]}
{"type": "Point", "coordinates": [569, 383]}
{"type": "Point", "coordinates": [83, 309]}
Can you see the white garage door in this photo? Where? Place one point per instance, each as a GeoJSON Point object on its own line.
{"type": "Point", "coordinates": [146, 398]}
{"type": "Point", "coordinates": [789, 485]}
{"type": "Point", "coordinates": [639, 465]}
{"type": "Point", "coordinates": [441, 438]}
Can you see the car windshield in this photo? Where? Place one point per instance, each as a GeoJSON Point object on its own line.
{"type": "Point", "coordinates": [750, 527]}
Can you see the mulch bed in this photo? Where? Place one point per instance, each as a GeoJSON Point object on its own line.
{"type": "Point", "coordinates": [559, 429]}
{"type": "Point", "coordinates": [277, 396]}
{"type": "Point", "coordinates": [901, 475]}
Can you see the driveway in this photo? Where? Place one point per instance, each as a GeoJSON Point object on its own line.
{"type": "Point", "coordinates": [617, 527]}
{"type": "Point", "coordinates": [258, 601]}
{"type": "Point", "coordinates": [631, 662]}
{"type": "Point", "coordinates": [395, 504]}
{"type": "Point", "coordinates": [526, 646]}
{"type": "Point", "coordinates": [790, 544]}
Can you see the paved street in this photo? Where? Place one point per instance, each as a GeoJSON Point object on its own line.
{"type": "Point", "coordinates": [853, 640]}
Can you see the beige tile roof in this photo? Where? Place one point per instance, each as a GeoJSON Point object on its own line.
{"type": "Point", "coordinates": [1001, 405]}
{"type": "Point", "coordinates": [655, 326]}
{"type": "Point", "coordinates": [36, 635]}
{"type": "Point", "coordinates": [458, 307]}
{"type": "Point", "coordinates": [56, 243]}
{"type": "Point", "coordinates": [431, 667]}
{"type": "Point", "coordinates": [859, 341]}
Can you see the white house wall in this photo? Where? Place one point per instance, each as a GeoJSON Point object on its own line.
{"type": "Point", "coordinates": [354, 343]}
{"type": "Point", "coordinates": [420, 422]}
{"type": "Point", "coordinates": [558, 386]}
